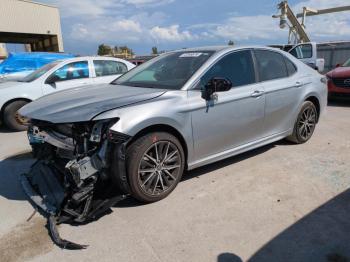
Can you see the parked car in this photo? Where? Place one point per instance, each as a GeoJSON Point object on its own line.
{"type": "Point", "coordinates": [339, 80]}
{"type": "Point", "coordinates": [307, 53]}
{"type": "Point", "coordinates": [57, 76]}
{"type": "Point", "coordinates": [176, 112]}
{"type": "Point", "coordinates": [19, 65]}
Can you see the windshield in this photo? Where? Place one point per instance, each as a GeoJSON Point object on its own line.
{"type": "Point", "coordinates": [38, 73]}
{"type": "Point", "coordinates": [168, 71]}
{"type": "Point", "coordinates": [347, 63]}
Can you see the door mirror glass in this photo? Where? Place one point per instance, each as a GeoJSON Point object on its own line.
{"type": "Point", "coordinates": [52, 79]}
{"type": "Point", "coordinates": [216, 84]}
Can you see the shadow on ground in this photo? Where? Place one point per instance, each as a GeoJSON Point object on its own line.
{"type": "Point", "coordinates": [339, 102]}
{"type": "Point", "coordinates": [322, 235]}
{"type": "Point", "coordinates": [130, 202]}
{"type": "Point", "coordinates": [10, 170]}
{"type": "Point", "coordinates": [229, 161]}
{"type": "Point", "coordinates": [5, 130]}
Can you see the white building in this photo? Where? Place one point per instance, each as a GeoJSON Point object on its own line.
{"type": "Point", "coordinates": [35, 24]}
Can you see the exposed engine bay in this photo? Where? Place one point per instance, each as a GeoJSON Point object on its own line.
{"type": "Point", "coordinates": [79, 173]}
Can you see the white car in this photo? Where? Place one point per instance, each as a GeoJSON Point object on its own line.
{"type": "Point", "coordinates": [57, 76]}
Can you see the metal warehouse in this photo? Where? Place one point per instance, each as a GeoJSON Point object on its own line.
{"type": "Point", "coordinates": [35, 24]}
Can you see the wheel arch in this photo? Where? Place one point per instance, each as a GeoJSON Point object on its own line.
{"type": "Point", "coordinates": [11, 101]}
{"type": "Point", "coordinates": [164, 128]}
{"type": "Point", "coordinates": [317, 104]}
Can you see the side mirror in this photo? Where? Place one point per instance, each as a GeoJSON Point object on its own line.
{"type": "Point", "coordinates": [216, 84]}
{"type": "Point", "coordinates": [320, 65]}
{"type": "Point", "coordinates": [338, 65]}
{"type": "Point", "coordinates": [51, 80]}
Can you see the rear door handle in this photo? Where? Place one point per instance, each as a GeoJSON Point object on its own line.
{"type": "Point", "coordinates": [257, 93]}
{"type": "Point", "coordinates": [298, 84]}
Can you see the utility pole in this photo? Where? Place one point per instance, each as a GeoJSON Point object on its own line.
{"type": "Point", "coordinates": [297, 29]}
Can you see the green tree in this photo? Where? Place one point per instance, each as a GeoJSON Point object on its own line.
{"type": "Point", "coordinates": [231, 42]}
{"type": "Point", "coordinates": [154, 50]}
{"type": "Point", "coordinates": [104, 50]}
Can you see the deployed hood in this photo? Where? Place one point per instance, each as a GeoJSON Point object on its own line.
{"type": "Point", "coordinates": [84, 103]}
{"type": "Point", "coordinates": [340, 72]}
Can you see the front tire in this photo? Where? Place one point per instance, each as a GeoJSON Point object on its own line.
{"type": "Point", "coordinates": [305, 124]}
{"type": "Point", "coordinates": [155, 164]}
{"type": "Point", "coordinates": [10, 115]}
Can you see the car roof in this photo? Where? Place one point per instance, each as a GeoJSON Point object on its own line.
{"type": "Point", "coordinates": [223, 48]}
{"type": "Point", "coordinates": [79, 58]}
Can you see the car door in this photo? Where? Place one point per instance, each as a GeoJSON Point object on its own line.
{"type": "Point", "coordinates": [107, 70]}
{"type": "Point", "coordinates": [232, 118]}
{"type": "Point", "coordinates": [306, 53]}
{"type": "Point", "coordinates": [282, 87]}
{"type": "Point", "coordinates": [70, 75]}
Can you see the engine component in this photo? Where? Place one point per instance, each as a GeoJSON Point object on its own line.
{"type": "Point", "coordinates": [36, 136]}
{"type": "Point", "coordinates": [81, 169]}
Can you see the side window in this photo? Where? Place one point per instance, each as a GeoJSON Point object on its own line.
{"type": "Point", "coordinates": [290, 67]}
{"type": "Point", "coordinates": [270, 65]}
{"type": "Point", "coordinates": [72, 71]}
{"type": "Point", "coordinates": [108, 67]}
{"type": "Point", "coordinates": [302, 51]}
{"type": "Point", "coordinates": [237, 67]}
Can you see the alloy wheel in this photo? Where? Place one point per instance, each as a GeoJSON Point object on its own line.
{"type": "Point", "coordinates": [307, 123]}
{"type": "Point", "coordinates": [159, 168]}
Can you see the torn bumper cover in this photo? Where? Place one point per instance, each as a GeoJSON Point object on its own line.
{"type": "Point", "coordinates": [70, 182]}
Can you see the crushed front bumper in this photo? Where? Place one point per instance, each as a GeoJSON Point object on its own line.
{"type": "Point", "coordinates": [50, 196]}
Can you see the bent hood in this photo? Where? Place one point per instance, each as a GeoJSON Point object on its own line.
{"type": "Point", "coordinates": [84, 103]}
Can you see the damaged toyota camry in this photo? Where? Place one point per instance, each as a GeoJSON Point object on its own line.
{"type": "Point", "coordinates": [184, 109]}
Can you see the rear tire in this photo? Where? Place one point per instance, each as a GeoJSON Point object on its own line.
{"type": "Point", "coordinates": [155, 164]}
{"type": "Point", "coordinates": [305, 124]}
{"type": "Point", "coordinates": [10, 114]}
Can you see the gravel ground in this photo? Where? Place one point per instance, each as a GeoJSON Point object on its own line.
{"type": "Point", "coordinates": [282, 202]}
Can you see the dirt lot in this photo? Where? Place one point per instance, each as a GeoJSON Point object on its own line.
{"type": "Point", "coordinates": [282, 202]}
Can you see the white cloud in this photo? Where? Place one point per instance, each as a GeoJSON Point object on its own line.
{"type": "Point", "coordinates": [319, 4]}
{"type": "Point", "coordinates": [248, 27]}
{"type": "Point", "coordinates": [118, 22]}
{"type": "Point", "coordinates": [150, 3]}
{"type": "Point", "coordinates": [329, 26]}
{"type": "Point", "coordinates": [263, 27]}
{"type": "Point", "coordinates": [127, 26]}
{"type": "Point", "coordinates": [170, 33]}
{"type": "Point", "coordinates": [110, 31]}
{"type": "Point", "coordinates": [86, 8]}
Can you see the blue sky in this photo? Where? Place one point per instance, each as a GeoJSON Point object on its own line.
{"type": "Point", "coordinates": [170, 24]}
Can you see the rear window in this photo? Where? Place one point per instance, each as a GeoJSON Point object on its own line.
{"type": "Point", "coordinates": [109, 67]}
{"type": "Point", "coordinates": [271, 65]}
{"type": "Point", "coordinates": [291, 68]}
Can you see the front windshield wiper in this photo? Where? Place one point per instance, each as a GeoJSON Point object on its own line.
{"type": "Point", "coordinates": [133, 85]}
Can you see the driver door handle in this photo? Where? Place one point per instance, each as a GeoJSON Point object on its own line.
{"type": "Point", "coordinates": [298, 84]}
{"type": "Point", "coordinates": [257, 93]}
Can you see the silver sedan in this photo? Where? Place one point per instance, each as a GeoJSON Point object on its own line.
{"type": "Point", "coordinates": [179, 111]}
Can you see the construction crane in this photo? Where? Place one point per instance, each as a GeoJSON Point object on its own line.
{"type": "Point", "coordinates": [297, 29]}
